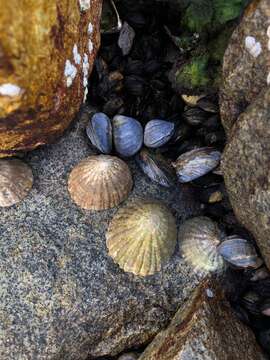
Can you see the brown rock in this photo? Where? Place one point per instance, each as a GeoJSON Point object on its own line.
{"type": "Point", "coordinates": [246, 170]}
{"type": "Point", "coordinates": [47, 49]}
{"type": "Point", "coordinates": [246, 66]}
{"type": "Point", "coordinates": [204, 328]}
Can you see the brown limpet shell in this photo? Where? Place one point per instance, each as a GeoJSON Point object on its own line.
{"type": "Point", "coordinates": [16, 180]}
{"type": "Point", "coordinates": [142, 237]}
{"type": "Point", "coordinates": [100, 182]}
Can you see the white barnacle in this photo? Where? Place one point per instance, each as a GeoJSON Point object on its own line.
{"type": "Point", "coordinates": [84, 4]}
{"type": "Point", "coordinates": [85, 94]}
{"type": "Point", "coordinates": [70, 72]}
{"type": "Point", "coordinates": [76, 55]}
{"type": "Point", "coordinates": [210, 293]}
{"type": "Point", "coordinates": [253, 47]}
{"type": "Point", "coordinates": [10, 90]}
{"type": "Point", "coordinates": [90, 46]}
{"type": "Point", "coordinates": [268, 31]}
{"type": "Point", "coordinates": [85, 70]}
{"type": "Point", "coordinates": [85, 74]}
{"type": "Point", "coordinates": [90, 29]}
{"type": "Point", "coordinates": [268, 79]}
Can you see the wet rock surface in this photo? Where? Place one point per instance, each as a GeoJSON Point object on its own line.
{"type": "Point", "coordinates": [62, 296]}
{"type": "Point", "coordinates": [246, 64]}
{"type": "Point", "coordinates": [246, 170]}
{"type": "Point", "coordinates": [47, 50]}
{"type": "Point", "coordinates": [244, 101]}
{"type": "Point", "coordinates": [204, 328]}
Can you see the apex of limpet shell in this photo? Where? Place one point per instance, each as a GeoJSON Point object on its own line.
{"type": "Point", "coordinates": [16, 180]}
{"type": "Point", "coordinates": [100, 182]}
{"type": "Point", "coordinates": [199, 238]}
{"type": "Point", "coordinates": [142, 236]}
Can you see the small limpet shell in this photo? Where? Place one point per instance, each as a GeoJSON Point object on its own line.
{"type": "Point", "coordinates": [16, 180]}
{"type": "Point", "coordinates": [100, 182]}
{"type": "Point", "coordinates": [198, 239]}
{"type": "Point", "coordinates": [142, 237]}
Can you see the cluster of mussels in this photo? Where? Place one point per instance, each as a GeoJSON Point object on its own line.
{"type": "Point", "coordinates": [131, 78]}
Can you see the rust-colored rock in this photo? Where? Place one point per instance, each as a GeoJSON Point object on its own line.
{"type": "Point", "coordinates": [246, 66]}
{"type": "Point", "coordinates": [47, 48]}
{"type": "Point", "coordinates": [204, 328]}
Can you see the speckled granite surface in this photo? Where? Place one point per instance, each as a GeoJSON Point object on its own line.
{"type": "Point", "coordinates": [62, 297]}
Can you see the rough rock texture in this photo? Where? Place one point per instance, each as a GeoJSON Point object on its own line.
{"type": "Point", "coordinates": [204, 328]}
{"type": "Point", "coordinates": [62, 296]}
{"type": "Point", "coordinates": [47, 48]}
{"type": "Point", "coordinates": [246, 66]}
{"type": "Point", "coordinates": [245, 97]}
{"type": "Point", "coordinates": [246, 170]}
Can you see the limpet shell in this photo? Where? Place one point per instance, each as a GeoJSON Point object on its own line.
{"type": "Point", "coordinates": [100, 182]}
{"type": "Point", "coordinates": [142, 237]}
{"type": "Point", "coordinates": [16, 180]}
{"type": "Point", "coordinates": [198, 239]}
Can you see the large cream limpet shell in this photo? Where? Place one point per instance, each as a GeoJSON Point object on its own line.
{"type": "Point", "coordinates": [142, 237]}
{"type": "Point", "coordinates": [199, 238]}
{"type": "Point", "coordinates": [100, 182]}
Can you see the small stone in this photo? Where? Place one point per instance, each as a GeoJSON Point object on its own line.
{"type": "Point", "coordinates": [205, 327]}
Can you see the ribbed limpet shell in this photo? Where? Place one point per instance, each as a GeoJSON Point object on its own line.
{"type": "Point", "coordinates": [16, 180]}
{"type": "Point", "coordinates": [100, 182]}
{"type": "Point", "coordinates": [142, 237]}
{"type": "Point", "coordinates": [199, 238]}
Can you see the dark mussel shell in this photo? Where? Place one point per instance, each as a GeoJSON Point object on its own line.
{"type": "Point", "coordinates": [158, 132]}
{"type": "Point", "coordinates": [127, 135]}
{"type": "Point", "coordinates": [99, 131]}
{"type": "Point", "coordinates": [260, 274]}
{"type": "Point", "coordinates": [196, 163]}
{"type": "Point", "coordinates": [265, 307]}
{"type": "Point", "coordinates": [251, 300]}
{"type": "Point", "coordinates": [239, 253]}
{"type": "Point", "coordinates": [208, 104]}
{"type": "Point", "coordinates": [195, 116]}
{"type": "Point", "coordinates": [156, 167]}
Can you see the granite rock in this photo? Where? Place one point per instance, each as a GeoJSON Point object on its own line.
{"type": "Point", "coordinates": [205, 328]}
{"type": "Point", "coordinates": [62, 296]}
{"type": "Point", "coordinates": [47, 49]}
{"type": "Point", "coordinates": [246, 170]}
{"type": "Point", "coordinates": [246, 64]}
